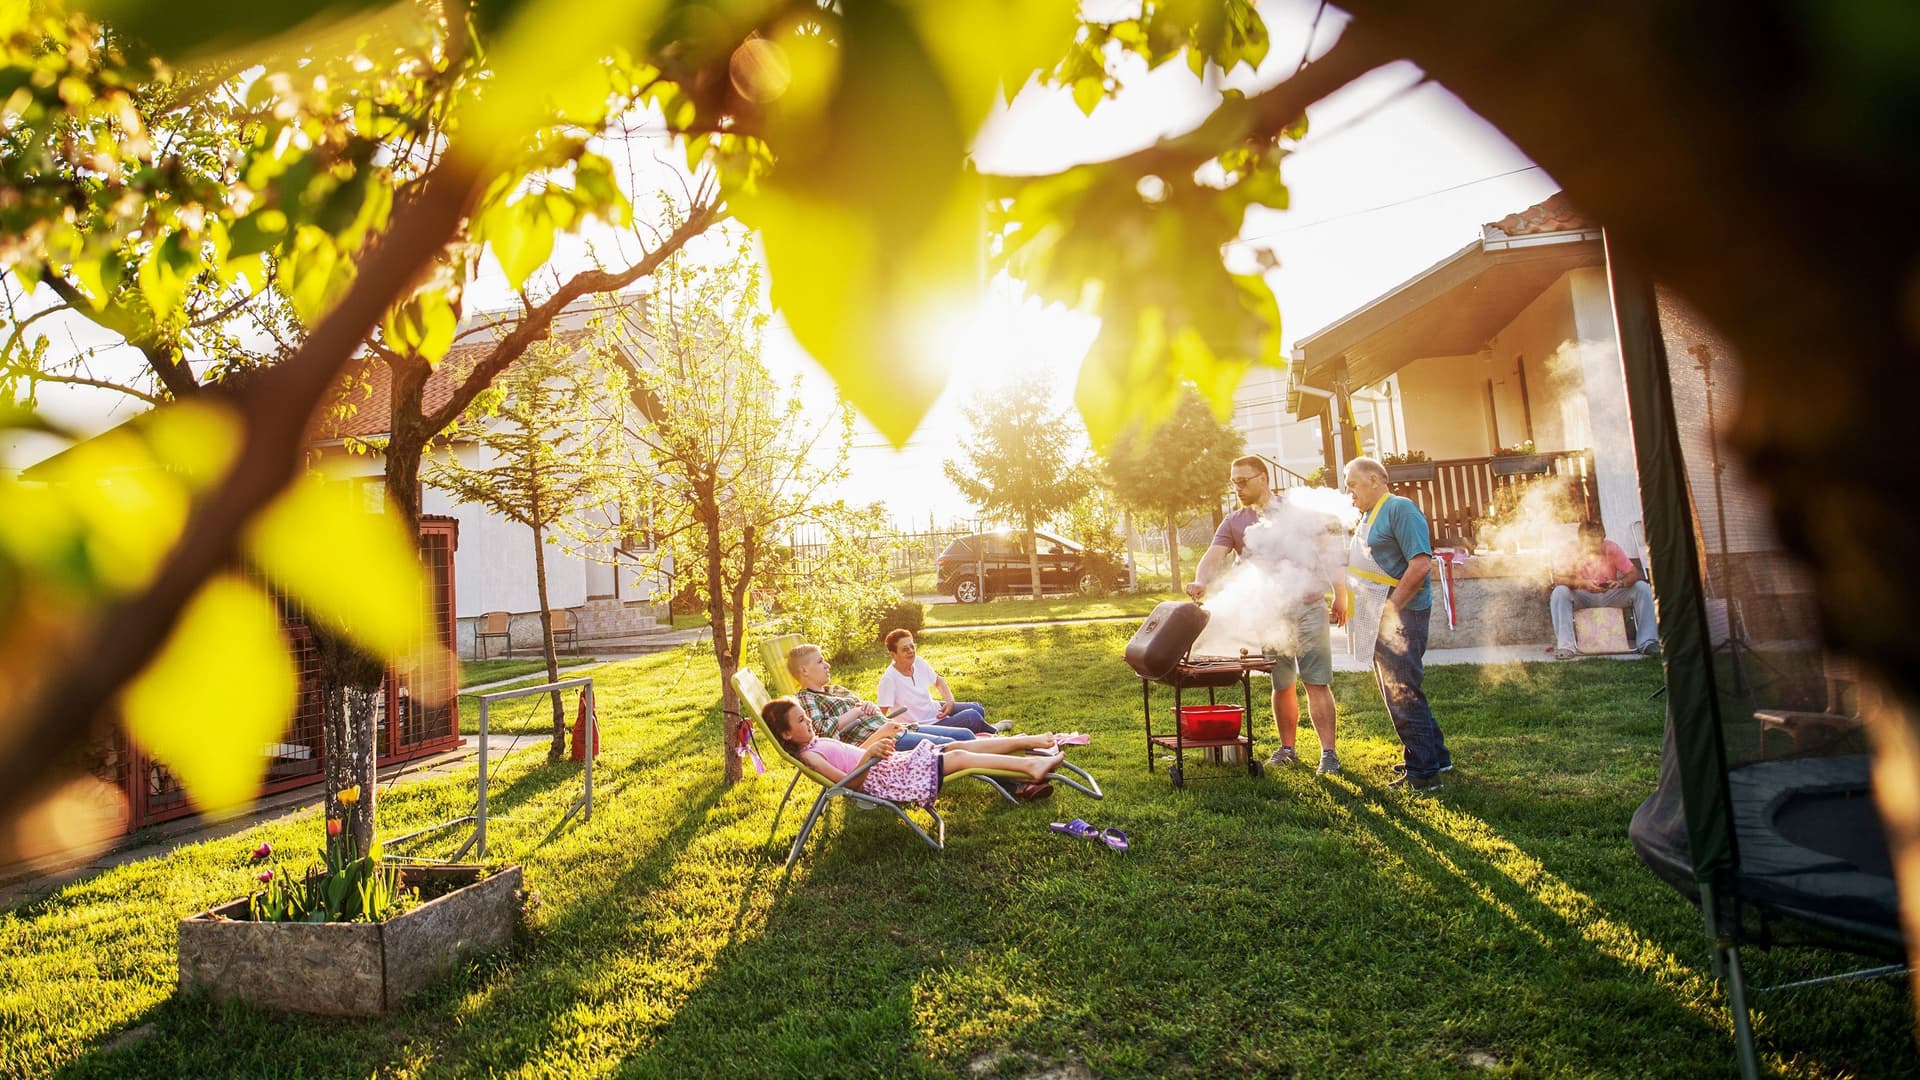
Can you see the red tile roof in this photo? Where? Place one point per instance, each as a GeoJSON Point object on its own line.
{"type": "Point", "coordinates": [1556, 214]}
{"type": "Point", "coordinates": [360, 404]}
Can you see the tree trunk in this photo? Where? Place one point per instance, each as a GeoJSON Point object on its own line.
{"type": "Point", "coordinates": [725, 651]}
{"type": "Point", "coordinates": [1173, 549]}
{"type": "Point", "coordinates": [353, 684]}
{"type": "Point", "coordinates": [407, 438]}
{"type": "Point", "coordinates": [557, 749]}
{"type": "Point", "coordinates": [1126, 523]}
{"type": "Point", "coordinates": [1033, 559]}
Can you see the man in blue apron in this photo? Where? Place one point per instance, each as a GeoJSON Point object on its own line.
{"type": "Point", "coordinates": [1387, 565]}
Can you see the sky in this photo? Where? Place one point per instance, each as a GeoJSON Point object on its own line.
{"type": "Point", "coordinates": [1393, 176]}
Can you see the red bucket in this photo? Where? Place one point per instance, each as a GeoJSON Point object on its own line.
{"type": "Point", "coordinates": [1200, 722]}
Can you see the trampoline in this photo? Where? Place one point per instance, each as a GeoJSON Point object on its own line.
{"type": "Point", "coordinates": [1764, 815]}
{"type": "Point", "coordinates": [1813, 855]}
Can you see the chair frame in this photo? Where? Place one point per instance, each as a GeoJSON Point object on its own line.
{"type": "Point", "coordinates": [571, 631]}
{"type": "Point", "coordinates": [481, 634]}
{"type": "Point", "coordinates": [753, 694]}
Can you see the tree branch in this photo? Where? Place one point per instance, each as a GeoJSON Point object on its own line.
{"type": "Point", "coordinates": [98, 384]}
{"type": "Point", "coordinates": [539, 320]}
{"type": "Point", "coordinates": [172, 372]}
{"type": "Point", "coordinates": [275, 409]}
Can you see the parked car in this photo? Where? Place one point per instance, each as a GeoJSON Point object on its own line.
{"type": "Point", "coordinates": [975, 568]}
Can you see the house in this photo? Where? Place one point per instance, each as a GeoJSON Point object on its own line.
{"type": "Point", "coordinates": [609, 593]}
{"type": "Point", "coordinates": [1498, 370]}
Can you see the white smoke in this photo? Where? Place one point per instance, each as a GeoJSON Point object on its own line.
{"type": "Point", "coordinates": [1294, 553]}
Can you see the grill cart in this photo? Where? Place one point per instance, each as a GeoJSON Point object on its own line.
{"type": "Point", "coordinates": [1161, 652]}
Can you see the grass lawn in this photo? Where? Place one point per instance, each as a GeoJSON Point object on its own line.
{"type": "Point", "coordinates": [1287, 926]}
{"type": "Point", "coordinates": [1013, 609]}
{"type": "Point", "coordinates": [475, 672]}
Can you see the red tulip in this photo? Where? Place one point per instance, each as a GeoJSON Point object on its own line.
{"type": "Point", "coordinates": [265, 849]}
{"type": "Point", "coordinates": [263, 876]}
{"type": "Point", "coordinates": [334, 826]}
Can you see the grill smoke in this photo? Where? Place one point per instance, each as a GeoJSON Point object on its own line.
{"type": "Point", "coordinates": [1293, 556]}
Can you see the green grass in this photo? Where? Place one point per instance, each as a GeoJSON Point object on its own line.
{"type": "Point", "coordinates": [1287, 926]}
{"type": "Point", "coordinates": [475, 672]}
{"type": "Point", "coordinates": [1009, 609]}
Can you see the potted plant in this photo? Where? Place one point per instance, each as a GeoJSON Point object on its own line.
{"type": "Point", "coordinates": [352, 936]}
{"type": "Point", "coordinates": [1409, 467]}
{"type": "Point", "coordinates": [1520, 459]}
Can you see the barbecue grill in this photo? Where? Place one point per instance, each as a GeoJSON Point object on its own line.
{"type": "Point", "coordinates": [1161, 653]}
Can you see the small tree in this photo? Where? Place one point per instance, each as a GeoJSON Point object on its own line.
{"type": "Point", "coordinates": [729, 459]}
{"type": "Point", "coordinates": [1174, 469]}
{"type": "Point", "coordinates": [1023, 460]}
{"type": "Point", "coordinates": [545, 450]}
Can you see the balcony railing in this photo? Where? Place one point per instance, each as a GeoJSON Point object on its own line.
{"type": "Point", "coordinates": [1460, 495]}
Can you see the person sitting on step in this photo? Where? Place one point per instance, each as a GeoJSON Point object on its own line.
{"type": "Point", "coordinates": [1594, 572]}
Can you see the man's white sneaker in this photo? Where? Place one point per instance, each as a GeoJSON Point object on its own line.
{"type": "Point", "coordinates": [1283, 756]}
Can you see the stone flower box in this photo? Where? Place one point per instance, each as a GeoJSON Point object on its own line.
{"type": "Point", "coordinates": [351, 969]}
{"type": "Point", "coordinates": [1411, 472]}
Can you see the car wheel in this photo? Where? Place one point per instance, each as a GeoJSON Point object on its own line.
{"type": "Point", "coordinates": [967, 590]}
{"type": "Point", "coordinates": [1088, 583]}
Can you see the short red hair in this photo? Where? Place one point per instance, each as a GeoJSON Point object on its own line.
{"type": "Point", "coordinates": [894, 636]}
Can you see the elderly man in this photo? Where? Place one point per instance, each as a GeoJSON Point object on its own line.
{"type": "Point", "coordinates": [1387, 563]}
{"type": "Point", "coordinates": [1297, 557]}
{"type": "Point", "coordinates": [1595, 572]}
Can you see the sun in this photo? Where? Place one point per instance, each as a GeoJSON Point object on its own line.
{"type": "Point", "coordinates": [1007, 335]}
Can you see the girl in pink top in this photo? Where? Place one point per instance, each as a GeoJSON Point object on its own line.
{"type": "Point", "coordinates": [913, 776]}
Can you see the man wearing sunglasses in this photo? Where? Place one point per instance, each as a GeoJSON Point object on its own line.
{"type": "Point", "coordinates": [1293, 550]}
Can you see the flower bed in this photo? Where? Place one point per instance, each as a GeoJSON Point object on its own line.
{"type": "Point", "coordinates": [350, 968]}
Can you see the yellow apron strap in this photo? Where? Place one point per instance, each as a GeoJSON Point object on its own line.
{"type": "Point", "coordinates": [1366, 529]}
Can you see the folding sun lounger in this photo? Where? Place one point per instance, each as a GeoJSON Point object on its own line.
{"type": "Point", "coordinates": [754, 697]}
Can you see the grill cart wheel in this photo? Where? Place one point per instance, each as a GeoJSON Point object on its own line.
{"type": "Point", "coordinates": [967, 590]}
{"type": "Point", "coordinates": [1253, 767]}
{"type": "Point", "coordinates": [1173, 774]}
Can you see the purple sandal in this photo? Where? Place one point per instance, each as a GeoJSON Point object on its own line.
{"type": "Point", "coordinates": [1114, 838]}
{"type": "Point", "coordinates": [1075, 828]}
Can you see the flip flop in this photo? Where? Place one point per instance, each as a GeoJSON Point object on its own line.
{"type": "Point", "coordinates": [1076, 738]}
{"type": "Point", "coordinates": [1075, 828]}
{"type": "Point", "coordinates": [1114, 838]}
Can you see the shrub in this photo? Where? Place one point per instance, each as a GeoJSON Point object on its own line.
{"type": "Point", "coordinates": [902, 614]}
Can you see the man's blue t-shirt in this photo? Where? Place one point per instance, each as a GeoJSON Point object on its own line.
{"type": "Point", "coordinates": [1399, 534]}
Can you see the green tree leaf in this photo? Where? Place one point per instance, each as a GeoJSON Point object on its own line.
{"type": "Point", "coordinates": [353, 570]}
{"type": "Point", "coordinates": [221, 689]}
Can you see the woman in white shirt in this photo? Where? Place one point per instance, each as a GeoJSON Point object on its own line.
{"type": "Point", "coordinates": [911, 682]}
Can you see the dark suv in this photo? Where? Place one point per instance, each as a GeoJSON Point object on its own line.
{"type": "Point", "coordinates": [983, 565]}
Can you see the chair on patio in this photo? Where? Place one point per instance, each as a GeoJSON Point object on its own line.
{"type": "Point", "coordinates": [494, 624]}
{"type": "Point", "coordinates": [565, 628]}
{"type": "Point", "coordinates": [754, 698]}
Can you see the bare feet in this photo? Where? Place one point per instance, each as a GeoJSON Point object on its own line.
{"type": "Point", "coordinates": [1040, 765]}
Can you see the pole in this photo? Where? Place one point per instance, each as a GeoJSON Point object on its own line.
{"type": "Point", "coordinates": [480, 807]}
{"type": "Point", "coordinates": [592, 735]}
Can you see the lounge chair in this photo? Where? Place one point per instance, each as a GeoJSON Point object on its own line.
{"type": "Point", "coordinates": [754, 698]}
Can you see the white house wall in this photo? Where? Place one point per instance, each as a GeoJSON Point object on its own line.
{"type": "Point", "coordinates": [1605, 385]}
{"type": "Point", "coordinates": [1533, 341]}
{"type": "Point", "coordinates": [1445, 406]}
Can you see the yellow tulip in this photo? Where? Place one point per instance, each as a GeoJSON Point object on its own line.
{"type": "Point", "coordinates": [349, 796]}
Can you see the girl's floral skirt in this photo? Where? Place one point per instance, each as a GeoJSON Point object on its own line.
{"type": "Point", "coordinates": [910, 777]}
